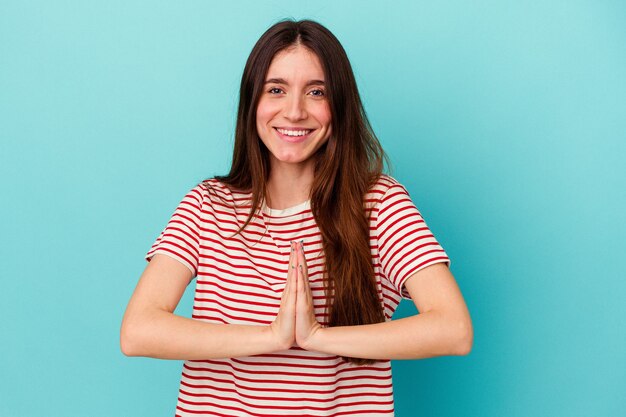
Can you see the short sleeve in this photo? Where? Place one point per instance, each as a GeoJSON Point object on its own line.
{"type": "Point", "coordinates": [181, 237]}
{"type": "Point", "coordinates": [405, 243]}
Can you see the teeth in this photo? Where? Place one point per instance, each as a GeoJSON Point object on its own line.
{"type": "Point", "coordinates": [293, 132]}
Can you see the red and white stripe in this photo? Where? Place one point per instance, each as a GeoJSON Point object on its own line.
{"type": "Point", "coordinates": [240, 280]}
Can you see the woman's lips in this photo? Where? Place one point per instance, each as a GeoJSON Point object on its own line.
{"type": "Point", "coordinates": [294, 138]}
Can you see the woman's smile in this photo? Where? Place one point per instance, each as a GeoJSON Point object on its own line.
{"type": "Point", "coordinates": [294, 135]}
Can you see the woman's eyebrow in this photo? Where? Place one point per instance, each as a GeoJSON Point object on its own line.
{"type": "Point", "coordinates": [283, 81]}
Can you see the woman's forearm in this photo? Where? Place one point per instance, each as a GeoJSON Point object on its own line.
{"type": "Point", "coordinates": [164, 335]}
{"type": "Point", "coordinates": [421, 336]}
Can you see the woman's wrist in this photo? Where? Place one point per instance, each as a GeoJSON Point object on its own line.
{"type": "Point", "coordinates": [274, 341]}
{"type": "Point", "coordinates": [315, 341]}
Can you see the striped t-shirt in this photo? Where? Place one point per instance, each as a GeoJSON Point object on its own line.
{"type": "Point", "coordinates": [240, 280]}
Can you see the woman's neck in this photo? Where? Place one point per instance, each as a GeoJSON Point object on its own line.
{"type": "Point", "coordinates": [289, 184]}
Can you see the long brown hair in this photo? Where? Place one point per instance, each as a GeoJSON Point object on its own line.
{"type": "Point", "coordinates": [345, 168]}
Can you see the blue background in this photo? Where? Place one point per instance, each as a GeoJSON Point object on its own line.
{"type": "Point", "coordinates": [506, 120]}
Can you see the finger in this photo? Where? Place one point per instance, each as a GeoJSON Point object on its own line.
{"type": "Point", "coordinates": [293, 278]}
{"type": "Point", "coordinates": [301, 274]}
{"type": "Point", "coordinates": [304, 272]}
{"type": "Point", "coordinates": [291, 269]}
{"type": "Point", "coordinates": [296, 266]}
{"type": "Point", "coordinates": [302, 258]}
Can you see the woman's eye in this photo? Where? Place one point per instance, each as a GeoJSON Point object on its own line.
{"type": "Point", "coordinates": [317, 92]}
{"type": "Point", "coordinates": [275, 90]}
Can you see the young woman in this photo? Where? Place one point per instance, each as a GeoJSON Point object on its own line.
{"type": "Point", "coordinates": [302, 254]}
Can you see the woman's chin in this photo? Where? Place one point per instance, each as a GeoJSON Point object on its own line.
{"type": "Point", "coordinates": [290, 158]}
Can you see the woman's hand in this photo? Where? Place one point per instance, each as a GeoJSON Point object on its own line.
{"type": "Point", "coordinates": [295, 321]}
{"type": "Point", "coordinates": [283, 326]}
{"type": "Point", "coordinates": [306, 323]}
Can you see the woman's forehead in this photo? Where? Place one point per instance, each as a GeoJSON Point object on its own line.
{"type": "Point", "coordinates": [296, 62]}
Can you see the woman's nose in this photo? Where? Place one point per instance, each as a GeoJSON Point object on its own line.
{"type": "Point", "coordinates": [295, 108]}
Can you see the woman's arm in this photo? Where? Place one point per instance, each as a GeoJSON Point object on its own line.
{"type": "Point", "coordinates": [443, 326]}
{"type": "Point", "coordinates": [149, 327]}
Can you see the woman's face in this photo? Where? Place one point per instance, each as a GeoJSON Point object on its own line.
{"type": "Point", "coordinates": [293, 116]}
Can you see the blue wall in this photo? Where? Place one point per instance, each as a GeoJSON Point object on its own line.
{"type": "Point", "coordinates": [505, 120]}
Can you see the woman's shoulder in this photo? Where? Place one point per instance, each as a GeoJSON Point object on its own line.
{"type": "Point", "coordinates": [215, 188]}
{"type": "Point", "coordinates": [215, 191]}
{"type": "Point", "coordinates": [386, 192]}
{"type": "Point", "coordinates": [382, 185]}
